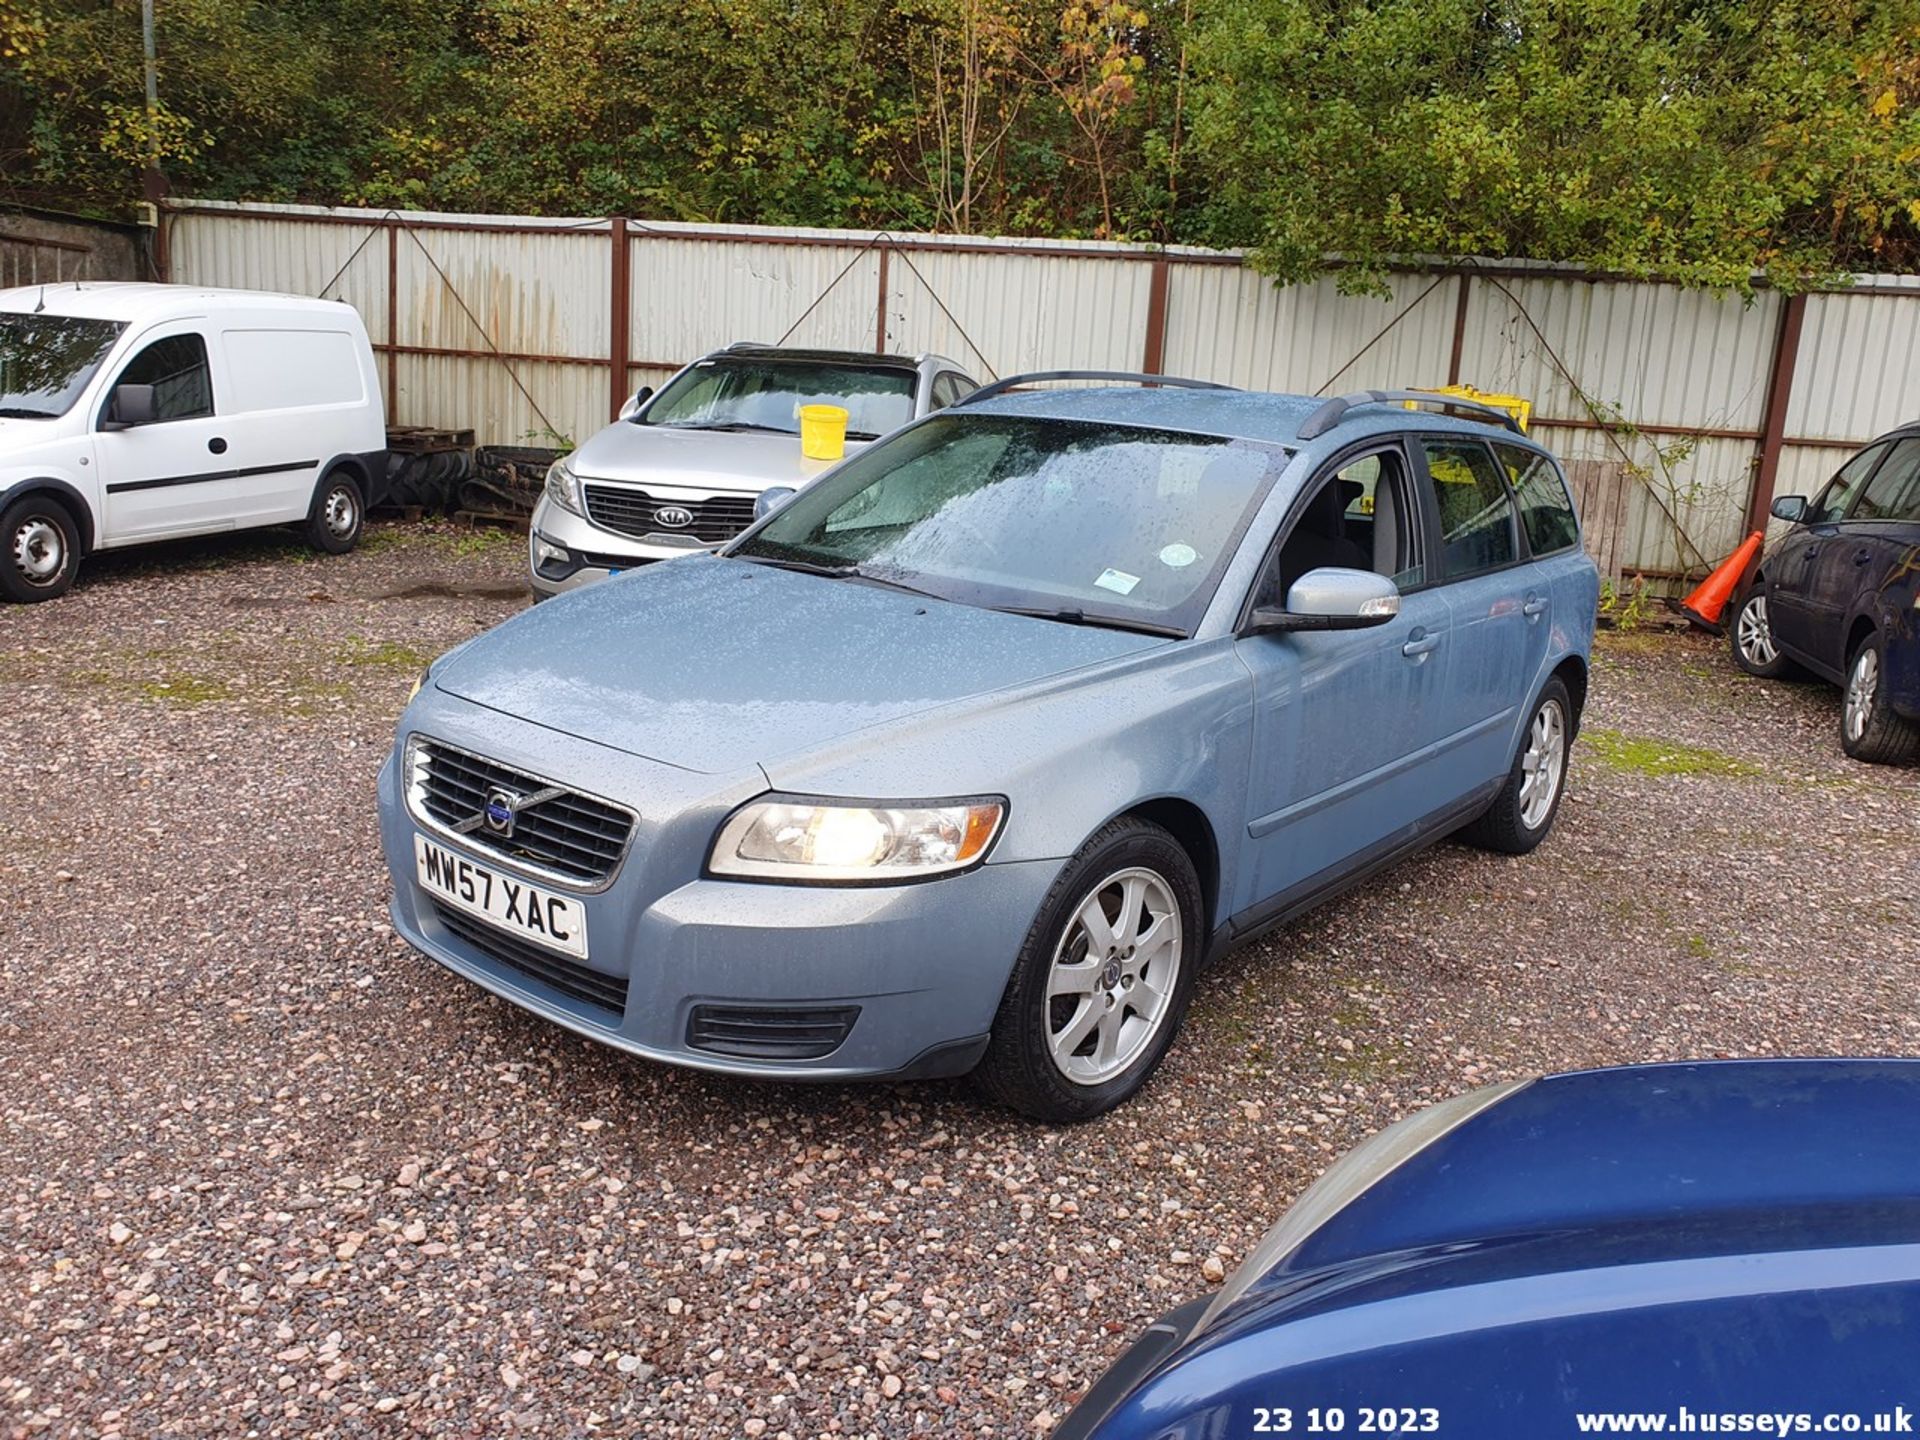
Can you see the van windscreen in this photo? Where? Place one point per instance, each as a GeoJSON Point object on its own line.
{"type": "Point", "coordinates": [47, 360]}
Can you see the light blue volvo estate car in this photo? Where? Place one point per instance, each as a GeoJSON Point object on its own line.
{"type": "Point", "coordinates": [970, 755]}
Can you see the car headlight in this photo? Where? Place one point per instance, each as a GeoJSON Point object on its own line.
{"type": "Point", "coordinates": [563, 488]}
{"type": "Point", "coordinates": [425, 676]}
{"type": "Point", "coordinates": [851, 841]}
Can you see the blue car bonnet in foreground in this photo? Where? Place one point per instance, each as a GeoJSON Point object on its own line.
{"type": "Point", "coordinates": [1734, 1238]}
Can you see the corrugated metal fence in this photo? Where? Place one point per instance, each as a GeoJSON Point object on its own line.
{"type": "Point", "coordinates": [1683, 412]}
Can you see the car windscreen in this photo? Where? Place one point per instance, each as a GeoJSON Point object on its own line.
{"type": "Point", "coordinates": [1095, 523]}
{"type": "Point", "coordinates": [726, 393]}
{"type": "Point", "coordinates": [47, 360]}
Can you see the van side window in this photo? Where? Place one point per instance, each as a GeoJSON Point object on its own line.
{"type": "Point", "coordinates": [176, 367]}
{"type": "Point", "coordinates": [1546, 513]}
{"type": "Point", "coordinates": [1476, 512]}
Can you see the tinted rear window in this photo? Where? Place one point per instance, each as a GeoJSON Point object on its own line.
{"type": "Point", "coordinates": [1546, 511]}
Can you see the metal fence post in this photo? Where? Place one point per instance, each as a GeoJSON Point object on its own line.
{"type": "Point", "coordinates": [620, 318]}
{"type": "Point", "coordinates": [1459, 331]}
{"type": "Point", "coordinates": [1773, 423]}
{"type": "Point", "coordinates": [393, 319]}
{"type": "Point", "coordinates": [880, 306]}
{"type": "Point", "coordinates": [1154, 361]}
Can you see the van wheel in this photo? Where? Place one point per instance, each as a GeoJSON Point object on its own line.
{"type": "Point", "coordinates": [1522, 813]}
{"type": "Point", "coordinates": [1869, 728]}
{"type": "Point", "coordinates": [1101, 984]}
{"type": "Point", "coordinates": [42, 549]}
{"type": "Point", "coordinates": [334, 525]}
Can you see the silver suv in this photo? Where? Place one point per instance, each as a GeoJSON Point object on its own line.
{"type": "Point", "coordinates": [683, 469]}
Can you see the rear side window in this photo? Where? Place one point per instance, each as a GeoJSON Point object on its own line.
{"type": "Point", "coordinates": [1476, 512]}
{"type": "Point", "coordinates": [949, 386]}
{"type": "Point", "coordinates": [291, 369]}
{"type": "Point", "coordinates": [1832, 502]}
{"type": "Point", "coordinates": [176, 368]}
{"type": "Point", "coordinates": [1894, 491]}
{"type": "Point", "coordinates": [1546, 512]}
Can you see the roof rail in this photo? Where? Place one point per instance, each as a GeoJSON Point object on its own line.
{"type": "Point", "coordinates": [1000, 387]}
{"type": "Point", "coordinates": [1335, 410]}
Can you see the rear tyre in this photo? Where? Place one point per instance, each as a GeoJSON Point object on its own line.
{"type": "Point", "coordinates": [1869, 728]}
{"type": "Point", "coordinates": [338, 512]}
{"type": "Point", "coordinates": [1102, 982]}
{"type": "Point", "coordinates": [39, 549]}
{"type": "Point", "coordinates": [1750, 638]}
{"type": "Point", "coordinates": [1522, 813]}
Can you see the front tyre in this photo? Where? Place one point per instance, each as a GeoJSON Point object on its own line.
{"type": "Point", "coordinates": [41, 549]}
{"type": "Point", "coordinates": [1522, 813]}
{"type": "Point", "coordinates": [1102, 981]}
{"type": "Point", "coordinates": [338, 512]}
{"type": "Point", "coordinates": [1869, 728]}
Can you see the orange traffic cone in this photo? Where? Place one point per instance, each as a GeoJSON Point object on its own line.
{"type": "Point", "coordinates": [1706, 604]}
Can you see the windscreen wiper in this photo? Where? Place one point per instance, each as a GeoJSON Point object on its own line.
{"type": "Point", "coordinates": [805, 567]}
{"type": "Point", "coordinates": [1070, 616]}
{"type": "Point", "coordinates": [725, 425]}
{"type": "Point", "coordinates": [22, 412]}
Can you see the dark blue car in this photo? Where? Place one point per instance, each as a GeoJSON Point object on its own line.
{"type": "Point", "coordinates": [1703, 1248]}
{"type": "Point", "coordinates": [1839, 596]}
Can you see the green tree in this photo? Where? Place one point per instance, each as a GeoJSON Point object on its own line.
{"type": "Point", "coordinates": [1688, 138]}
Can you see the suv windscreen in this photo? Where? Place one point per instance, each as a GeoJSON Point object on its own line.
{"type": "Point", "coordinates": [47, 360]}
{"type": "Point", "coordinates": [1091, 523]}
{"type": "Point", "coordinates": [728, 393]}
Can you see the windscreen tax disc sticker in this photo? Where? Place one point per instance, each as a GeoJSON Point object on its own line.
{"type": "Point", "coordinates": [1179, 556]}
{"type": "Point", "coordinates": [1117, 581]}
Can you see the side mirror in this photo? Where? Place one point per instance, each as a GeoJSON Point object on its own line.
{"type": "Point", "coordinates": [130, 405]}
{"type": "Point", "coordinates": [635, 401]}
{"type": "Point", "coordinates": [771, 499]}
{"type": "Point", "coordinates": [1331, 599]}
{"type": "Point", "coordinates": [1791, 508]}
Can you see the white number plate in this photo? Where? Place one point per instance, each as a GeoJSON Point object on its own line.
{"type": "Point", "coordinates": [524, 910]}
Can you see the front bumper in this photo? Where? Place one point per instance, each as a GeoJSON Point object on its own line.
{"type": "Point", "coordinates": [590, 552]}
{"type": "Point", "coordinates": [923, 965]}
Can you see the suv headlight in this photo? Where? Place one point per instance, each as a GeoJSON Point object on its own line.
{"type": "Point", "coordinates": [853, 841]}
{"type": "Point", "coordinates": [563, 488]}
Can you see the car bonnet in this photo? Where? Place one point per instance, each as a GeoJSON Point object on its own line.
{"type": "Point", "coordinates": [712, 664]}
{"type": "Point", "coordinates": [697, 459]}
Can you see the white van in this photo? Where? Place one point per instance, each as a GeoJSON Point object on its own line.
{"type": "Point", "coordinates": [131, 413]}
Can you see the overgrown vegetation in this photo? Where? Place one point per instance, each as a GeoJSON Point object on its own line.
{"type": "Point", "coordinates": [1689, 138]}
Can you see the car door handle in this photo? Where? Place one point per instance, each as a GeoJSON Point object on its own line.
{"type": "Point", "coordinates": [1861, 557]}
{"type": "Point", "coordinates": [1534, 608]}
{"type": "Point", "coordinates": [1419, 644]}
{"type": "Point", "coordinates": [217, 445]}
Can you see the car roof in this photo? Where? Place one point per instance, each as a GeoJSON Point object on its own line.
{"type": "Point", "coordinates": [1271, 418]}
{"type": "Point", "coordinates": [130, 301]}
{"type": "Point", "coordinates": [865, 358]}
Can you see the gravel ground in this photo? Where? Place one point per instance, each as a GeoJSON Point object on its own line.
{"type": "Point", "coordinates": [265, 1171]}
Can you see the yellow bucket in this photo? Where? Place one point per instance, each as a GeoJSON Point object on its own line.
{"type": "Point", "coordinates": [823, 432]}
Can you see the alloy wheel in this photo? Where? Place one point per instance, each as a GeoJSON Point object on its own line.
{"type": "Point", "coordinates": [1542, 765]}
{"type": "Point", "coordinates": [1863, 684]}
{"type": "Point", "coordinates": [1754, 634]}
{"type": "Point", "coordinates": [1114, 974]}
